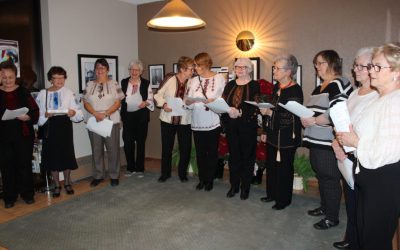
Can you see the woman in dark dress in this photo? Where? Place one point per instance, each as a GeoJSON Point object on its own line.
{"type": "Point", "coordinates": [241, 127]}
{"type": "Point", "coordinates": [16, 139]}
{"type": "Point", "coordinates": [58, 108]}
{"type": "Point", "coordinates": [283, 133]}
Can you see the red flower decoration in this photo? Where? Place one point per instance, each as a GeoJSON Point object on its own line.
{"type": "Point", "coordinates": [261, 151]}
{"type": "Point", "coordinates": [266, 88]}
{"type": "Point", "coordinates": [223, 148]}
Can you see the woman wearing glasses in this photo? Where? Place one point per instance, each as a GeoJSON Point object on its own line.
{"type": "Point", "coordinates": [318, 135]}
{"type": "Point", "coordinates": [135, 116]}
{"type": "Point", "coordinates": [102, 99]}
{"type": "Point", "coordinates": [356, 104]}
{"type": "Point", "coordinates": [175, 86]}
{"type": "Point", "coordinates": [283, 133]}
{"type": "Point", "coordinates": [58, 108]}
{"type": "Point", "coordinates": [206, 87]}
{"type": "Point", "coordinates": [376, 137]}
{"type": "Point", "coordinates": [241, 127]}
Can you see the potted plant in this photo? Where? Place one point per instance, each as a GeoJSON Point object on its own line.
{"type": "Point", "coordinates": [303, 170]}
{"type": "Point", "coordinates": [192, 163]}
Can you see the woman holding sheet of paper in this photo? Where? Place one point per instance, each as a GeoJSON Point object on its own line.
{"type": "Point", "coordinates": [135, 116]}
{"type": "Point", "coordinates": [357, 102]}
{"type": "Point", "coordinates": [102, 99]}
{"type": "Point", "coordinates": [58, 107]}
{"type": "Point", "coordinates": [283, 133]}
{"type": "Point", "coordinates": [175, 87]}
{"type": "Point", "coordinates": [205, 124]}
{"type": "Point", "coordinates": [318, 135]}
{"type": "Point", "coordinates": [16, 139]}
{"type": "Point", "coordinates": [240, 125]}
{"type": "Point", "coordinates": [376, 136]}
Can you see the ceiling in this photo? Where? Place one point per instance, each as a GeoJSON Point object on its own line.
{"type": "Point", "coordinates": [137, 2]}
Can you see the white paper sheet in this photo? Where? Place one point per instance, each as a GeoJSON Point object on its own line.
{"type": "Point", "coordinates": [176, 104]}
{"type": "Point", "coordinates": [346, 168]}
{"type": "Point", "coordinates": [196, 99]}
{"type": "Point", "coordinates": [58, 111]}
{"type": "Point", "coordinates": [341, 119]}
{"type": "Point", "coordinates": [133, 102]}
{"type": "Point", "coordinates": [261, 105]}
{"type": "Point", "coordinates": [297, 109]}
{"type": "Point", "coordinates": [12, 114]}
{"type": "Point", "coordinates": [102, 128]}
{"type": "Point", "coordinates": [218, 106]}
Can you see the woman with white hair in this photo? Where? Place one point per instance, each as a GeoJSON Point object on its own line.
{"type": "Point", "coordinates": [135, 116]}
{"type": "Point", "coordinates": [358, 100]}
{"type": "Point", "coordinates": [283, 133]}
{"type": "Point", "coordinates": [241, 127]}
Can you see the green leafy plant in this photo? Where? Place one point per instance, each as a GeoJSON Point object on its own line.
{"type": "Point", "coordinates": [192, 161]}
{"type": "Point", "coordinates": [302, 167]}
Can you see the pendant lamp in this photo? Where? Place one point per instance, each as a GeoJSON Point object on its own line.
{"type": "Point", "coordinates": [176, 15]}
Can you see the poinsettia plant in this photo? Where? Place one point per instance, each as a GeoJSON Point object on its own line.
{"type": "Point", "coordinates": [266, 90]}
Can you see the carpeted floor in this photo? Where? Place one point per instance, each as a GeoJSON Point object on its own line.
{"type": "Point", "coordinates": [144, 214]}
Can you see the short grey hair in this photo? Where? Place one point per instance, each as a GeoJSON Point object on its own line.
{"type": "Point", "coordinates": [366, 51]}
{"type": "Point", "coordinates": [136, 62]}
{"type": "Point", "coordinates": [243, 61]}
{"type": "Point", "coordinates": [290, 61]}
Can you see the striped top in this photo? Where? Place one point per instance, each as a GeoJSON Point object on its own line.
{"type": "Point", "coordinates": [321, 136]}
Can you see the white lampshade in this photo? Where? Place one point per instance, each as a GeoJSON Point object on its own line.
{"type": "Point", "coordinates": [176, 15]}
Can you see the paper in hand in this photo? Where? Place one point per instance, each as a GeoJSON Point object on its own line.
{"type": "Point", "coordinates": [176, 104]}
{"type": "Point", "coordinates": [261, 105]}
{"type": "Point", "coordinates": [341, 120]}
{"type": "Point", "coordinates": [12, 114]}
{"type": "Point", "coordinates": [196, 99]}
{"type": "Point", "coordinates": [102, 128]}
{"type": "Point", "coordinates": [297, 109]}
{"type": "Point", "coordinates": [346, 168]}
{"type": "Point", "coordinates": [133, 102]}
{"type": "Point", "coordinates": [219, 106]}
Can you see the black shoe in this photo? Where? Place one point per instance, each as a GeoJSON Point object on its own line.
{"type": "Point", "coordinates": [244, 194]}
{"type": "Point", "coordinates": [114, 182]}
{"type": "Point", "coordinates": [200, 186]}
{"type": "Point", "coordinates": [95, 182]}
{"type": "Point", "coordinates": [232, 192]}
{"type": "Point", "coordinates": [29, 201]}
{"type": "Point", "coordinates": [342, 245]}
{"type": "Point", "coordinates": [325, 224]}
{"type": "Point", "coordinates": [68, 189]}
{"type": "Point", "coordinates": [8, 204]}
{"type": "Point", "coordinates": [278, 207]}
{"type": "Point", "coordinates": [208, 186]}
{"type": "Point", "coordinates": [316, 212]}
{"type": "Point", "coordinates": [266, 199]}
{"type": "Point", "coordinates": [56, 192]}
{"type": "Point", "coordinates": [184, 179]}
{"type": "Point", "coordinates": [162, 179]}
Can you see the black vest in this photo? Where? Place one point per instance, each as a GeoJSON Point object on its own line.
{"type": "Point", "coordinates": [143, 114]}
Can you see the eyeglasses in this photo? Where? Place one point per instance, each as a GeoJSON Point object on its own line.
{"type": "Point", "coordinates": [377, 68]}
{"type": "Point", "coordinates": [134, 70]}
{"type": "Point", "coordinates": [277, 68]}
{"type": "Point", "coordinates": [360, 67]}
{"type": "Point", "coordinates": [58, 78]}
{"type": "Point", "coordinates": [190, 68]}
{"type": "Point", "coordinates": [197, 65]}
{"type": "Point", "coordinates": [317, 64]}
{"type": "Point", "coordinates": [240, 67]}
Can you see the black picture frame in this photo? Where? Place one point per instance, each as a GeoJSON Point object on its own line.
{"type": "Point", "coordinates": [86, 71]}
{"type": "Point", "coordinates": [156, 74]}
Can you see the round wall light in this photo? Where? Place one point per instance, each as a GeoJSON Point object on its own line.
{"type": "Point", "coordinates": [245, 40]}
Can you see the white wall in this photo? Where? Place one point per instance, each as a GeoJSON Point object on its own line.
{"type": "Point", "coordinates": [99, 27]}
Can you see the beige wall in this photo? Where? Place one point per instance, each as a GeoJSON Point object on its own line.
{"type": "Point", "coordinates": [300, 27]}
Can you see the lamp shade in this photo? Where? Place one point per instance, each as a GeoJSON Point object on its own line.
{"type": "Point", "coordinates": [176, 15]}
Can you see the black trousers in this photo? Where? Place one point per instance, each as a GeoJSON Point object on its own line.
{"type": "Point", "coordinates": [324, 164]}
{"type": "Point", "coordinates": [242, 143]}
{"type": "Point", "coordinates": [280, 175]}
{"type": "Point", "coordinates": [378, 205]}
{"type": "Point", "coordinates": [134, 134]}
{"type": "Point", "coordinates": [16, 167]}
{"type": "Point", "coordinates": [168, 132]}
{"type": "Point", "coordinates": [206, 143]}
{"type": "Point", "coordinates": [351, 227]}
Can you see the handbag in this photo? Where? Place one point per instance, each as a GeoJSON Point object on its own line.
{"type": "Point", "coordinates": [43, 131]}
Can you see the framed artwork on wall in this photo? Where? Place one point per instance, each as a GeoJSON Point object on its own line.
{"type": "Point", "coordinates": [86, 70]}
{"type": "Point", "coordinates": [297, 78]}
{"type": "Point", "coordinates": [175, 68]}
{"type": "Point", "coordinates": [156, 74]}
{"type": "Point", "coordinates": [9, 51]}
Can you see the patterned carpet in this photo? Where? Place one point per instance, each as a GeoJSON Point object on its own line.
{"type": "Point", "coordinates": [143, 214]}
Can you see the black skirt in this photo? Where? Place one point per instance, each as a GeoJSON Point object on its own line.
{"type": "Point", "coordinates": [58, 148]}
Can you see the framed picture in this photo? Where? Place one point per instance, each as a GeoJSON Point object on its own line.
{"type": "Point", "coordinates": [86, 70]}
{"type": "Point", "coordinates": [297, 78]}
{"type": "Point", "coordinates": [156, 74]}
{"type": "Point", "coordinates": [9, 51]}
{"type": "Point", "coordinates": [256, 67]}
{"type": "Point", "coordinates": [175, 68]}
{"type": "Point", "coordinates": [215, 69]}
{"type": "Point", "coordinates": [318, 80]}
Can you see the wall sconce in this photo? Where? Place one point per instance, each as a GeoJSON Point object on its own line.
{"type": "Point", "coordinates": [245, 40]}
{"type": "Point", "coordinates": [176, 15]}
